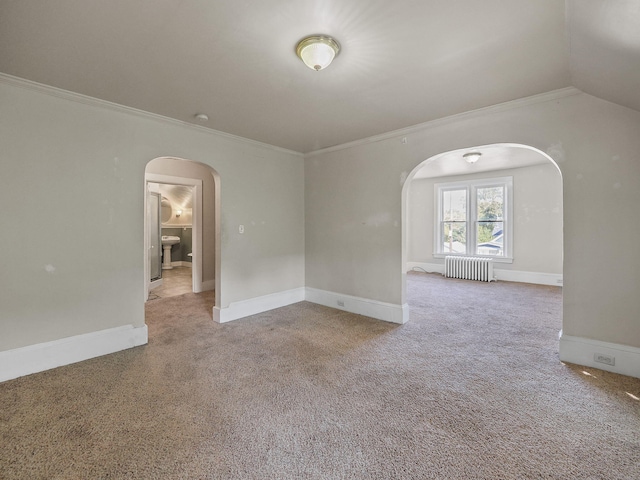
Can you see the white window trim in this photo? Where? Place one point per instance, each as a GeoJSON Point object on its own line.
{"type": "Point", "coordinates": [470, 186]}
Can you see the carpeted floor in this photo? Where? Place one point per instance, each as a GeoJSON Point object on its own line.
{"type": "Point", "coordinates": [470, 388]}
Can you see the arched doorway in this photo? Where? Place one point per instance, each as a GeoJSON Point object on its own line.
{"type": "Point", "coordinates": [202, 220]}
{"type": "Point", "coordinates": [537, 190]}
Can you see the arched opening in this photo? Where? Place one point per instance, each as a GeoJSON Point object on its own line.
{"type": "Point", "coordinates": [536, 253]}
{"type": "Point", "coordinates": [182, 206]}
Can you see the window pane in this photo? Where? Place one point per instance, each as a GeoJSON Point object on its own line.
{"type": "Point", "coordinates": [490, 202]}
{"type": "Point", "coordinates": [490, 238]}
{"type": "Point", "coordinates": [454, 205]}
{"type": "Point", "coordinates": [454, 237]}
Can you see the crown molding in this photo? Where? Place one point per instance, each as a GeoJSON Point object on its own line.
{"type": "Point", "coordinates": [96, 102]}
{"type": "Point", "coordinates": [499, 107]}
{"type": "Point", "coordinates": [87, 100]}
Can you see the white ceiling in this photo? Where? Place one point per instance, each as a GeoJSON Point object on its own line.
{"type": "Point", "coordinates": [494, 157]}
{"type": "Point", "coordinates": [605, 49]}
{"type": "Point", "coordinates": [180, 196]}
{"type": "Point", "coordinates": [402, 62]}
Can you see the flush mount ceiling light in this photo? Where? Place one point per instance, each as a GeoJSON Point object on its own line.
{"type": "Point", "coordinates": [472, 157]}
{"type": "Point", "coordinates": [317, 51]}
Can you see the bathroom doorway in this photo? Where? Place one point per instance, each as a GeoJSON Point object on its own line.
{"type": "Point", "coordinates": [187, 197]}
{"type": "Point", "coordinates": [174, 206]}
{"type": "Point", "coordinates": [179, 235]}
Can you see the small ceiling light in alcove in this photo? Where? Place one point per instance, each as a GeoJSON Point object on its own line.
{"type": "Point", "coordinates": [317, 51]}
{"type": "Point", "coordinates": [202, 117]}
{"type": "Point", "coordinates": [472, 157]}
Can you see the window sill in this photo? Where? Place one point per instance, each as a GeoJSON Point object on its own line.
{"type": "Point", "coordinates": [495, 259]}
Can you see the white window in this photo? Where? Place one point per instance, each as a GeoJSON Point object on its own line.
{"type": "Point", "coordinates": [474, 218]}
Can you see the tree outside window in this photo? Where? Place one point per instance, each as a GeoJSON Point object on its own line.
{"type": "Point", "coordinates": [473, 217]}
{"type": "Point", "coordinates": [454, 223]}
{"type": "Point", "coordinates": [490, 220]}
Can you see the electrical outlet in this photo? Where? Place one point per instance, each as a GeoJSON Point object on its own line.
{"type": "Point", "coordinates": [341, 303]}
{"type": "Point", "coordinates": [603, 358]}
{"type": "Point", "coordinates": [240, 228]}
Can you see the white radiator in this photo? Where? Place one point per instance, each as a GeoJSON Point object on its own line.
{"type": "Point", "coordinates": [469, 268]}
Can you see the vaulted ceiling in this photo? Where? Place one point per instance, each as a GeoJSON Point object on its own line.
{"type": "Point", "coordinates": [403, 62]}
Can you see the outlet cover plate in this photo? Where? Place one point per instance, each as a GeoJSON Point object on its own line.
{"type": "Point", "coordinates": [604, 358]}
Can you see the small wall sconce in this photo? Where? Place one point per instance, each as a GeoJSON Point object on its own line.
{"type": "Point", "coordinates": [178, 213]}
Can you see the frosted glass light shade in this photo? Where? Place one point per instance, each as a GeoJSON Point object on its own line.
{"type": "Point", "coordinates": [318, 51]}
{"type": "Point", "coordinates": [472, 157]}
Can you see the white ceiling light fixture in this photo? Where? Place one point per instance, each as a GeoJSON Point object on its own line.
{"type": "Point", "coordinates": [317, 51]}
{"type": "Point", "coordinates": [202, 117]}
{"type": "Point", "coordinates": [472, 157]}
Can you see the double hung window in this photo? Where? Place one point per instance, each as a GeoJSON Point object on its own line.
{"type": "Point", "coordinates": [474, 218]}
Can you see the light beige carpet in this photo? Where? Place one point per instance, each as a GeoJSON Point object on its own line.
{"type": "Point", "coordinates": [470, 388]}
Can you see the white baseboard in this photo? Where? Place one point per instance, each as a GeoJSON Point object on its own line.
{"type": "Point", "coordinates": [582, 351]}
{"type": "Point", "coordinates": [208, 285]}
{"type": "Point", "coordinates": [371, 308]}
{"type": "Point", "coordinates": [252, 306]}
{"type": "Point", "coordinates": [389, 312]}
{"type": "Point", "coordinates": [538, 278]}
{"type": "Point", "coordinates": [181, 263]}
{"type": "Point", "coordinates": [554, 279]}
{"type": "Point", "coordinates": [44, 356]}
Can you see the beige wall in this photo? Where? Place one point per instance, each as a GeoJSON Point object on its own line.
{"type": "Point", "coordinates": [73, 183]}
{"type": "Point", "coordinates": [353, 206]}
{"type": "Point", "coordinates": [73, 191]}
{"type": "Point", "coordinates": [537, 218]}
